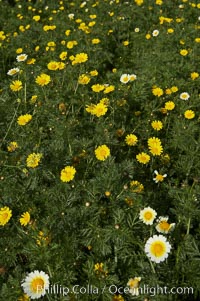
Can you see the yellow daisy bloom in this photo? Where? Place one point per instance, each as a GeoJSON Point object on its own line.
{"type": "Point", "coordinates": [102, 152]}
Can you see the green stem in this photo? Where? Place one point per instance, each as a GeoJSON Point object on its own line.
{"type": "Point", "coordinates": [152, 267]}
{"type": "Point", "coordinates": [188, 226]}
{"type": "Point", "coordinates": [11, 123]}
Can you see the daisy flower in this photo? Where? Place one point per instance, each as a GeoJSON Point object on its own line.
{"type": "Point", "coordinates": [184, 96]}
{"type": "Point", "coordinates": [163, 226]}
{"type": "Point", "coordinates": [102, 152]}
{"type": "Point", "coordinates": [157, 248]}
{"type": "Point", "coordinates": [124, 78]}
{"type": "Point", "coordinates": [13, 71]}
{"type": "Point", "coordinates": [67, 174]}
{"type": "Point", "coordinates": [133, 283]}
{"type": "Point", "coordinates": [147, 215]}
{"type": "Point", "coordinates": [21, 57]}
{"type": "Point", "coordinates": [189, 114]}
{"type": "Point", "coordinates": [143, 158]}
{"type": "Point", "coordinates": [5, 215]}
{"type": "Point", "coordinates": [159, 177]}
{"type": "Point", "coordinates": [24, 219]}
{"type": "Point", "coordinates": [35, 284]}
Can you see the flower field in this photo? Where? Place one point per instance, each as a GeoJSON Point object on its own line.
{"type": "Point", "coordinates": [100, 150]}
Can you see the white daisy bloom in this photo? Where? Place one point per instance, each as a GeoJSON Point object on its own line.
{"type": "Point", "coordinates": [157, 248]}
{"type": "Point", "coordinates": [147, 215]}
{"type": "Point", "coordinates": [22, 57]}
{"type": "Point", "coordinates": [35, 284]}
{"type": "Point", "coordinates": [159, 178]}
{"type": "Point", "coordinates": [124, 78]}
{"type": "Point", "coordinates": [163, 226]}
{"type": "Point", "coordinates": [132, 77]}
{"type": "Point", "coordinates": [155, 33]}
{"type": "Point", "coordinates": [133, 283]}
{"type": "Point", "coordinates": [13, 71]}
{"type": "Point", "coordinates": [184, 96]}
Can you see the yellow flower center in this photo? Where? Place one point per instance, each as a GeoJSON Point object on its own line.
{"type": "Point", "coordinates": [164, 225]}
{"type": "Point", "coordinates": [158, 248]}
{"type": "Point", "coordinates": [148, 215]}
{"type": "Point", "coordinates": [37, 285]}
{"type": "Point", "coordinates": [159, 178]}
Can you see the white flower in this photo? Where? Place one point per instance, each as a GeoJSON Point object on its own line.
{"type": "Point", "coordinates": [163, 226]}
{"type": "Point", "coordinates": [124, 78]}
{"type": "Point", "coordinates": [147, 215]}
{"type": "Point", "coordinates": [157, 248]}
{"type": "Point", "coordinates": [13, 71]}
{"type": "Point", "coordinates": [71, 16]}
{"type": "Point", "coordinates": [155, 33]}
{"type": "Point", "coordinates": [184, 96]}
{"type": "Point", "coordinates": [132, 77]}
{"type": "Point", "coordinates": [133, 283]}
{"type": "Point", "coordinates": [21, 57]}
{"type": "Point", "coordinates": [35, 284]}
{"type": "Point", "coordinates": [159, 178]}
{"type": "Point", "coordinates": [137, 29]}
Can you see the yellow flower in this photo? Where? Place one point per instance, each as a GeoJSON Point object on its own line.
{"type": "Point", "coordinates": [125, 43]}
{"type": "Point", "coordinates": [61, 65]}
{"type": "Point", "coordinates": [24, 297]}
{"type": "Point", "coordinates": [16, 85]}
{"type": "Point", "coordinates": [31, 61]}
{"type": "Point", "coordinates": [67, 32]}
{"type": "Point", "coordinates": [24, 119]}
{"type": "Point", "coordinates": [5, 215]}
{"type": "Point", "coordinates": [143, 158]}
{"type": "Point", "coordinates": [174, 89]}
{"type": "Point", "coordinates": [148, 36]}
{"type": "Point", "coordinates": [43, 79]}
{"type": "Point", "coordinates": [170, 30]}
{"type": "Point", "coordinates": [36, 18]}
{"type": "Point", "coordinates": [183, 52]}
{"type": "Point", "coordinates": [189, 114]}
{"type": "Point", "coordinates": [102, 152]}
{"type": "Point", "coordinates": [155, 146]}
{"type": "Point", "coordinates": [53, 65]}
{"type": "Point", "coordinates": [83, 79]}
{"type": "Point", "coordinates": [157, 125]}
{"type": "Point", "coordinates": [24, 219]}
{"type": "Point", "coordinates": [157, 91]}
{"type": "Point", "coordinates": [136, 186]}
{"type": "Point", "coordinates": [94, 73]}
{"type": "Point", "coordinates": [194, 75]}
{"type": "Point", "coordinates": [96, 41]}
{"type": "Point", "coordinates": [169, 105]}
{"type": "Point", "coordinates": [12, 146]}
{"type": "Point", "coordinates": [100, 109]}
{"type": "Point", "coordinates": [139, 2]}
{"type": "Point", "coordinates": [117, 298]}
{"type": "Point", "coordinates": [71, 44]}
{"type": "Point", "coordinates": [33, 160]}
{"type": "Point", "coordinates": [63, 55]}
{"type": "Point", "coordinates": [80, 58]}
{"type": "Point", "coordinates": [67, 174]}
{"type": "Point", "coordinates": [131, 139]}
{"type": "Point", "coordinates": [97, 88]}
{"type": "Point", "coordinates": [108, 89]}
